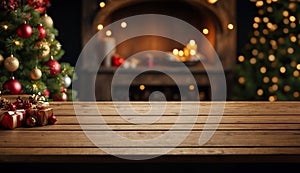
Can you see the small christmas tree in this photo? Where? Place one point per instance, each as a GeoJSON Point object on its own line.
{"type": "Point", "coordinates": [269, 65]}
{"type": "Point", "coordinates": [30, 52]}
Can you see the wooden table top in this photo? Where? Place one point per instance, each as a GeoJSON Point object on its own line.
{"type": "Point", "coordinates": [247, 132]}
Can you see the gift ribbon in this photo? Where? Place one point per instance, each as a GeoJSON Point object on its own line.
{"type": "Point", "coordinates": [15, 116]}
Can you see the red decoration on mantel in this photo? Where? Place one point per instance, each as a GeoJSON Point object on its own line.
{"type": "Point", "coordinates": [117, 60]}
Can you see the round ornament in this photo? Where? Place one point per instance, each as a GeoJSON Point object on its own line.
{"type": "Point", "coordinates": [60, 97]}
{"type": "Point", "coordinates": [67, 81]}
{"type": "Point", "coordinates": [11, 63]}
{"type": "Point", "coordinates": [52, 120]}
{"type": "Point", "coordinates": [47, 20]}
{"type": "Point", "coordinates": [45, 49]}
{"type": "Point", "coordinates": [36, 74]}
{"type": "Point", "coordinates": [13, 86]}
{"type": "Point", "coordinates": [46, 93]}
{"type": "Point", "coordinates": [24, 30]}
{"type": "Point", "coordinates": [42, 31]}
{"type": "Point", "coordinates": [1, 59]}
{"type": "Point", "coordinates": [30, 121]}
{"type": "Point", "coordinates": [54, 66]}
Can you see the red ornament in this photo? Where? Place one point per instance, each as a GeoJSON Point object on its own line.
{"type": "Point", "coordinates": [46, 93]}
{"type": "Point", "coordinates": [24, 30]}
{"type": "Point", "coordinates": [54, 66]}
{"type": "Point", "coordinates": [42, 31]}
{"type": "Point", "coordinates": [60, 97]}
{"type": "Point", "coordinates": [52, 120]}
{"type": "Point", "coordinates": [13, 86]}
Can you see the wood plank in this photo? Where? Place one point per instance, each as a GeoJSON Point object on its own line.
{"type": "Point", "coordinates": [173, 108]}
{"type": "Point", "coordinates": [163, 127]}
{"type": "Point", "coordinates": [156, 151]}
{"type": "Point", "coordinates": [253, 119]}
{"type": "Point", "coordinates": [78, 138]}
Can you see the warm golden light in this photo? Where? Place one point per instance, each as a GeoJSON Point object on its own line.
{"type": "Point", "coordinates": [255, 25]}
{"type": "Point", "coordinates": [252, 61]}
{"type": "Point", "coordinates": [266, 19]}
{"type": "Point", "coordinates": [296, 94]}
{"type": "Point", "coordinates": [142, 87]}
{"type": "Point", "coordinates": [192, 42]}
{"type": "Point", "coordinates": [272, 98]}
{"type": "Point", "coordinates": [298, 67]}
{"type": "Point", "coordinates": [259, 3]}
{"type": "Point", "coordinates": [292, 18]}
{"type": "Point", "coordinates": [205, 31]}
{"type": "Point", "coordinates": [17, 43]}
{"type": "Point", "coordinates": [34, 87]}
{"type": "Point", "coordinates": [241, 58]}
{"type": "Point", "coordinates": [192, 52]}
{"type": "Point", "coordinates": [175, 52]}
{"type": "Point", "coordinates": [253, 40]}
{"type": "Point", "coordinates": [296, 73]}
{"type": "Point", "coordinates": [263, 70]}
{"type": "Point", "coordinates": [212, 1]}
{"type": "Point", "coordinates": [293, 38]}
{"type": "Point", "coordinates": [5, 27]}
{"type": "Point", "coordinates": [282, 69]}
{"type": "Point", "coordinates": [266, 79]}
{"type": "Point", "coordinates": [257, 19]}
{"type": "Point", "coordinates": [102, 4]}
{"type": "Point", "coordinates": [100, 27]}
{"type": "Point", "coordinates": [285, 13]}
{"type": "Point", "coordinates": [286, 88]}
{"type": "Point", "coordinates": [181, 53]}
{"type": "Point", "coordinates": [230, 26]}
{"type": "Point", "coordinates": [191, 87]}
{"type": "Point", "coordinates": [290, 50]}
{"type": "Point", "coordinates": [123, 24]}
{"type": "Point", "coordinates": [275, 79]}
{"type": "Point", "coordinates": [271, 58]}
{"type": "Point", "coordinates": [108, 33]}
{"type": "Point", "coordinates": [260, 92]}
{"type": "Point", "coordinates": [242, 80]}
{"type": "Point", "coordinates": [254, 52]}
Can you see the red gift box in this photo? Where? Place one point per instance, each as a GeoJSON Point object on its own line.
{"type": "Point", "coordinates": [12, 119]}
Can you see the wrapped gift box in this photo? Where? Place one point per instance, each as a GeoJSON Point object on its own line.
{"type": "Point", "coordinates": [12, 119]}
{"type": "Point", "coordinates": [41, 115]}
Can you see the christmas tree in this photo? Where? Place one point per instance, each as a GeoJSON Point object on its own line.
{"type": "Point", "coordinates": [268, 67]}
{"type": "Point", "coordinates": [30, 52]}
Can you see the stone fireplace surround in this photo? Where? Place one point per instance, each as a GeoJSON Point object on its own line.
{"type": "Point", "coordinates": [198, 13]}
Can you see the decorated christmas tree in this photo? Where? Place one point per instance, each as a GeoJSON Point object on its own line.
{"type": "Point", "coordinates": [30, 53]}
{"type": "Point", "coordinates": [268, 67]}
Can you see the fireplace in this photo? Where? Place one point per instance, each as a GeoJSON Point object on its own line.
{"type": "Point", "coordinates": [216, 20]}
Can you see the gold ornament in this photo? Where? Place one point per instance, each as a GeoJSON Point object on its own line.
{"type": "Point", "coordinates": [1, 59]}
{"type": "Point", "coordinates": [36, 74]}
{"type": "Point", "coordinates": [47, 21]}
{"type": "Point", "coordinates": [45, 49]}
{"type": "Point", "coordinates": [11, 63]}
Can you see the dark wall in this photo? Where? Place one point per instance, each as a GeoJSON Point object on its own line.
{"type": "Point", "coordinates": [66, 15]}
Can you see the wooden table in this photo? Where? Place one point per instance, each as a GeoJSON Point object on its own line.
{"type": "Point", "coordinates": [255, 132]}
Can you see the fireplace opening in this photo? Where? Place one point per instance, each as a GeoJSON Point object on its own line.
{"type": "Point", "coordinates": [212, 20]}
